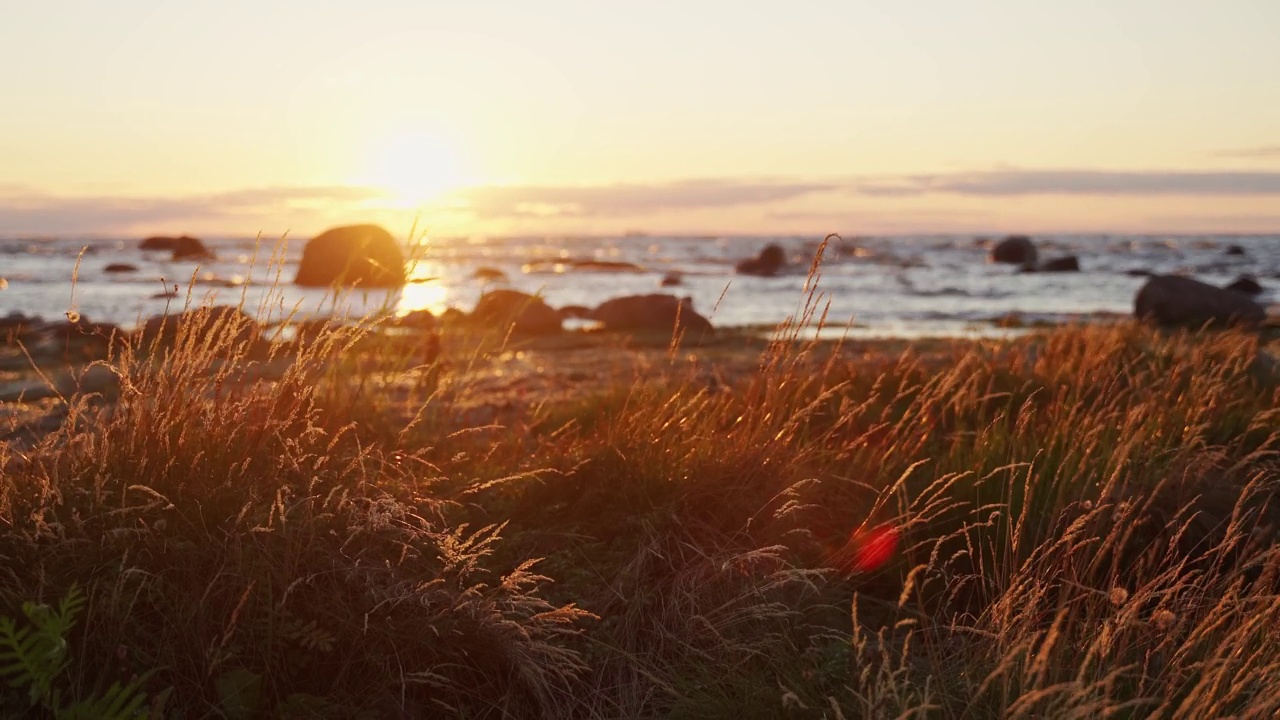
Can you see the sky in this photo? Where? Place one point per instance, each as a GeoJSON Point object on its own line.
{"type": "Point", "coordinates": [486, 117]}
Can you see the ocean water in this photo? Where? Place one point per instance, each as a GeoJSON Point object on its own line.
{"type": "Point", "coordinates": [878, 286]}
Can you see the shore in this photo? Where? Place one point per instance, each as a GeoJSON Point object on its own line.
{"type": "Point", "coordinates": [485, 374]}
{"type": "Point", "coordinates": [385, 522]}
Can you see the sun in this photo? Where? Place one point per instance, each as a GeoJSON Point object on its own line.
{"type": "Point", "coordinates": [415, 168]}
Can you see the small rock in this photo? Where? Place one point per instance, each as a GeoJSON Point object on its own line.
{"type": "Point", "coordinates": [1069, 263]}
{"type": "Point", "coordinates": [18, 323]}
{"type": "Point", "coordinates": [1246, 284]}
{"type": "Point", "coordinates": [657, 312]}
{"type": "Point", "coordinates": [1015, 250]}
{"type": "Point", "coordinates": [488, 274]}
{"type": "Point", "coordinates": [120, 268]}
{"type": "Point", "coordinates": [222, 320]}
{"type": "Point", "coordinates": [1172, 300]}
{"type": "Point", "coordinates": [97, 378]}
{"type": "Point", "coordinates": [189, 248]}
{"type": "Point", "coordinates": [559, 265]}
{"type": "Point", "coordinates": [452, 316]}
{"type": "Point", "coordinates": [525, 314]}
{"type": "Point", "coordinates": [1234, 250]}
{"type": "Point", "coordinates": [767, 264]}
{"type": "Point", "coordinates": [183, 247]}
{"type": "Point", "coordinates": [158, 242]}
{"type": "Point", "coordinates": [672, 279]}
{"type": "Point", "coordinates": [591, 265]}
{"type": "Point", "coordinates": [417, 319]}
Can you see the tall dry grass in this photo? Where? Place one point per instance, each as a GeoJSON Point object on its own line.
{"type": "Point", "coordinates": [290, 530]}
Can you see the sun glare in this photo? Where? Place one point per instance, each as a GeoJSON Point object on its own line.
{"type": "Point", "coordinates": [415, 168]}
{"type": "Point", "coordinates": [423, 291]}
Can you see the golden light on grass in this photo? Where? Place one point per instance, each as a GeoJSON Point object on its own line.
{"type": "Point", "coordinates": [1074, 523]}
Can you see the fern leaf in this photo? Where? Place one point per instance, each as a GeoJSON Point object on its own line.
{"type": "Point", "coordinates": [15, 648]}
{"type": "Point", "coordinates": [117, 703]}
{"type": "Point", "coordinates": [71, 606]}
{"type": "Point", "coordinates": [19, 658]}
{"type": "Point", "coordinates": [36, 655]}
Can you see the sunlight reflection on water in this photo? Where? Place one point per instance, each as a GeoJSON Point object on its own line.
{"type": "Point", "coordinates": [424, 291]}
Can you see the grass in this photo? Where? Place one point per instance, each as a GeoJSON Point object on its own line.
{"type": "Point", "coordinates": [303, 529]}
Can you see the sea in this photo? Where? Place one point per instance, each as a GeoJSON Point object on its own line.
{"type": "Point", "coordinates": [900, 286]}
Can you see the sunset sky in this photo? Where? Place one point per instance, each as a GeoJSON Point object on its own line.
{"type": "Point", "coordinates": [568, 117]}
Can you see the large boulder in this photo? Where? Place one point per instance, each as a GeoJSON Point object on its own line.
{"type": "Point", "coordinates": [767, 264]}
{"type": "Point", "coordinates": [1172, 300]}
{"type": "Point", "coordinates": [225, 323]}
{"type": "Point", "coordinates": [1015, 250]}
{"type": "Point", "coordinates": [653, 312]}
{"type": "Point", "coordinates": [524, 313]}
{"type": "Point", "coordinates": [363, 255]}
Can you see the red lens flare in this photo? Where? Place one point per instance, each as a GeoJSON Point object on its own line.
{"type": "Point", "coordinates": [869, 550]}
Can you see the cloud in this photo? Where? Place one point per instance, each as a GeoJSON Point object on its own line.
{"type": "Point", "coordinates": [269, 209]}
{"type": "Point", "coordinates": [24, 211]}
{"type": "Point", "coordinates": [518, 201]}
{"type": "Point", "coordinates": [274, 196]}
{"type": "Point", "coordinates": [1213, 223]}
{"type": "Point", "coordinates": [628, 200]}
{"type": "Point", "coordinates": [1077, 182]}
{"type": "Point", "coordinates": [1252, 153]}
{"type": "Point", "coordinates": [911, 218]}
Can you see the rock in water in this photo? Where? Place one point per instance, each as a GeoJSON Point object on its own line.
{"type": "Point", "coordinates": [1172, 300]}
{"type": "Point", "coordinates": [767, 264]}
{"type": "Point", "coordinates": [363, 255]}
{"type": "Point", "coordinates": [189, 248]}
{"type": "Point", "coordinates": [657, 312]}
{"type": "Point", "coordinates": [557, 266]}
{"type": "Point", "coordinates": [1069, 263]}
{"type": "Point", "coordinates": [157, 242]}
{"type": "Point", "coordinates": [120, 268]}
{"type": "Point", "coordinates": [1246, 284]}
{"type": "Point", "coordinates": [488, 274]}
{"type": "Point", "coordinates": [525, 314]}
{"type": "Point", "coordinates": [183, 247]}
{"type": "Point", "coordinates": [1015, 250]}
